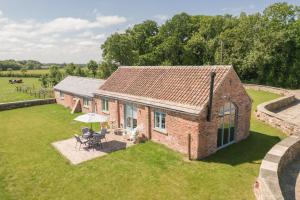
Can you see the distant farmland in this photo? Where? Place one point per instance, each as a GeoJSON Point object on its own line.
{"type": "Point", "coordinates": [33, 71]}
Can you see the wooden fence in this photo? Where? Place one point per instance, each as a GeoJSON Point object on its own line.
{"type": "Point", "coordinates": [40, 93]}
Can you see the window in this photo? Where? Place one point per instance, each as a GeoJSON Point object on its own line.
{"type": "Point", "coordinates": [160, 121]}
{"type": "Point", "coordinates": [130, 116]}
{"type": "Point", "coordinates": [61, 95]}
{"type": "Point", "coordinates": [105, 105]}
{"type": "Point", "coordinates": [86, 102]}
{"type": "Point", "coordinates": [226, 128]}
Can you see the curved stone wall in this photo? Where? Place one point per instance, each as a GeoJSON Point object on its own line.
{"type": "Point", "coordinates": [267, 111]}
{"type": "Point", "coordinates": [268, 185]}
{"type": "Point", "coordinates": [275, 90]}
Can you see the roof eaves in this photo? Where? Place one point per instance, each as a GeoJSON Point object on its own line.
{"type": "Point", "coordinates": [191, 110]}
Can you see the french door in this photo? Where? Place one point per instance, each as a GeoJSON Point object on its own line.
{"type": "Point", "coordinates": [130, 118]}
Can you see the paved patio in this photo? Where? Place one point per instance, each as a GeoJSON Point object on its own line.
{"type": "Point", "coordinates": [76, 156]}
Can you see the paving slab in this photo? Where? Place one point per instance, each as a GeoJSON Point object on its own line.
{"type": "Point", "coordinates": [290, 181]}
{"type": "Point", "coordinates": [71, 151]}
{"type": "Point", "coordinates": [291, 113]}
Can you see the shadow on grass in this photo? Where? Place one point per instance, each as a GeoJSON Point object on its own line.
{"type": "Point", "coordinates": [251, 150]}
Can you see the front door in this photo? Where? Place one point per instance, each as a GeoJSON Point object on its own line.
{"type": "Point", "coordinates": [130, 116]}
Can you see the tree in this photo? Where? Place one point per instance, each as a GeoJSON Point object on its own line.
{"type": "Point", "coordinates": [23, 71]}
{"type": "Point", "coordinates": [54, 75]}
{"type": "Point", "coordinates": [78, 71]}
{"type": "Point", "coordinates": [44, 80]}
{"type": "Point", "coordinates": [92, 66]}
{"type": "Point", "coordinates": [106, 69]}
{"type": "Point", "coordinates": [262, 47]}
{"type": "Point", "coordinates": [70, 69]}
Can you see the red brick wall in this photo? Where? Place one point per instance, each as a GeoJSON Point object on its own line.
{"type": "Point", "coordinates": [234, 91]}
{"type": "Point", "coordinates": [69, 101]}
{"type": "Point", "coordinates": [112, 108]}
{"type": "Point", "coordinates": [178, 125]}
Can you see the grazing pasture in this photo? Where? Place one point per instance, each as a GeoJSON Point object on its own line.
{"type": "Point", "coordinates": [8, 91]}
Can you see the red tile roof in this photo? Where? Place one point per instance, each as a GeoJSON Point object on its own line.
{"type": "Point", "coordinates": [186, 87]}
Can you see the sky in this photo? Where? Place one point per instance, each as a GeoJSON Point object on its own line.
{"type": "Point", "coordinates": [58, 31]}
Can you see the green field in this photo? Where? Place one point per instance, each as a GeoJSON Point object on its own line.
{"type": "Point", "coordinates": [8, 91]}
{"type": "Point", "coordinates": [33, 71]}
{"type": "Point", "coordinates": [30, 168]}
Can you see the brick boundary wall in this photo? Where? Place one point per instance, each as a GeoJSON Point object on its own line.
{"type": "Point", "coordinates": [21, 104]}
{"type": "Point", "coordinates": [267, 186]}
{"type": "Point", "coordinates": [265, 111]}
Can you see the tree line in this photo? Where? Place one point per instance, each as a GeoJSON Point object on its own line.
{"type": "Point", "coordinates": [55, 75]}
{"type": "Point", "coordinates": [9, 65]}
{"type": "Point", "coordinates": [263, 48]}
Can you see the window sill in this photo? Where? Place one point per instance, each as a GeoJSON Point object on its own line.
{"type": "Point", "coordinates": [61, 98]}
{"type": "Point", "coordinates": [105, 112]}
{"type": "Point", "coordinates": [87, 107]}
{"type": "Point", "coordinates": [160, 131]}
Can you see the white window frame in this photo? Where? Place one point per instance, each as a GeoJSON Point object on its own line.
{"type": "Point", "coordinates": [159, 125]}
{"type": "Point", "coordinates": [105, 105]}
{"type": "Point", "coordinates": [61, 95]}
{"type": "Point", "coordinates": [86, 102]}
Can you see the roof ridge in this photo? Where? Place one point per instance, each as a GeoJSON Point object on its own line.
{"type": "Point", "coordinates": [84, 77]}
{"type": "Point", "coordinates": [176, 66]}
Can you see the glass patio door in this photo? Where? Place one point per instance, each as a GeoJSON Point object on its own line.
{"type": "Point", "coordinates": [130, 116]}
{"type": "Point", "coordinates": [227, 125]}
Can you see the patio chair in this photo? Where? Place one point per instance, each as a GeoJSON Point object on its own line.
{"type": "Point", "coordinates": [133, 135]}
{"type": "Point", "coordinates": [96, 140]}
{"type": "Point", "coordinates": [78, 140]}
{"type": "Point", "coordinates": [85, 132]}
{"type": "Point", "coordinates": [104, 132]}
{"type": "Point", "coordinates": [112, 127]}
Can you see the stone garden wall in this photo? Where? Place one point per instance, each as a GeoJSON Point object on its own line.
{"type": "Point", "coordinates": [275, 90]}
{"type": "Point", "coordinates": [267, 111]}
{"type": "Point", "coordinates": [267, 186]}
{"type": "Point", "coordinates": [21, 104]}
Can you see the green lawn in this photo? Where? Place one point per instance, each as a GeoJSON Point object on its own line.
{"type": "Point", "coordinates": [30, 168]}
{"type": "Point", "coordinates": [8, 91]}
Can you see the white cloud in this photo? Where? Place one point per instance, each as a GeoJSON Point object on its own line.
{"type": "Point", "coordinates": [161, 18]}
{"type": "Point", "coordinates": [64, 39]}
{"type": "Point", "coordinates": [99, 36]}
{"type": "Point", "coordinates": [67, 24]}
{"type": "Point", "coordinates": [1, 13]}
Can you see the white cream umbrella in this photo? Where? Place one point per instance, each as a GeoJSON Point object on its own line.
{"type": "Point", "coordinates": [92, 118]}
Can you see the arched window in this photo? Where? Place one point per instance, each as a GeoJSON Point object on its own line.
{"type": "Point", "coordinates": [227, 123]}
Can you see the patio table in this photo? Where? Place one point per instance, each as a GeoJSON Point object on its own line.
{"type": "Point", "coordinates": [121, 131]}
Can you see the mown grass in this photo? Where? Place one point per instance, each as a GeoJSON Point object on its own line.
{"type": "Point", "coordinates": [30, 168]}
{"type": "Point", "coordinates": [8, 91]}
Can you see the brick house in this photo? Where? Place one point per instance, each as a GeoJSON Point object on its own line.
{"type": "Point", "coordinates": [76, 93]}
{"type": "Point", "coordinates": [195, 110]}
